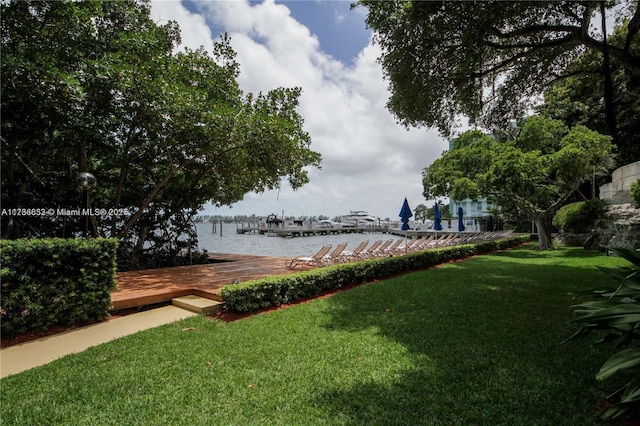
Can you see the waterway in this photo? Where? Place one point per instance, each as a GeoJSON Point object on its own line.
{"type": "Point", "coordinates": [229, 241]}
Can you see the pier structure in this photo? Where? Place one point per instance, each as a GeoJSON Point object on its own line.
{"type": "Point", "coordinates": [420, 233]}
{"type": "Point", "coordinates": [261, 228]}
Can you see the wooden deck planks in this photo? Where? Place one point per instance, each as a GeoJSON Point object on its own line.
{"type": "Point", "coordinates": [151, 286]}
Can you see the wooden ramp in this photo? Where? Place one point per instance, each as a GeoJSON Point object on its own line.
{"type": "Point", "coordinates": [152, 286]}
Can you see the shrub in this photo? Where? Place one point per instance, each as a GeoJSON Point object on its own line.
{"type": "Point", "coordinates": [579, 216]}
{"type": "Point", "coordinates": [635, 192]}
{"type": "Point", "coordinates": [254, 295]}
{"type": "Point", "coordinates": [617, 312]}
{"type": "Point", "coordinates": [565, 214]}
{"type": "Point", "coordinates": [47, 282]}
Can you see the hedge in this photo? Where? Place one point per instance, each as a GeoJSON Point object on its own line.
{"type": "Point", "coordinates": [49, 282]}
{"type": "Point", "coordinates": [251, 296]}
{"type": "Point", "coordinates": [579, 216]}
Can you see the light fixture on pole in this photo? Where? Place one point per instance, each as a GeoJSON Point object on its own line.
{"type": "Point", "coordinates": [86, 183]}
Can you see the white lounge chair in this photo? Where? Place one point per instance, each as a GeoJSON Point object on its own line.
{"type": "Point", "coordinates": [422, 243]}
{"type": "Point", "coordinates": [371, 250]}
{"type": "Point", "coordinates": [391, 250]}
{"type": "Point", "coordinates": [355, 254]}
{"type": "Point", "coordinates": [334, 256]}
{"type": "Point", "coordinates": [315, 260]}
{"type": "Point", "coordinates": [380, 251]}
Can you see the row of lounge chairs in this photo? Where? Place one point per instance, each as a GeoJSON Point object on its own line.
{"type": "Point", "coordinates": [325, 256]}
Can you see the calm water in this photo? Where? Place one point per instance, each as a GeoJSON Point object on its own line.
{"type": "Point", "coordinates": [232, 242]}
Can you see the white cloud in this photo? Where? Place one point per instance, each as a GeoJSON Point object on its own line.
{"type": "Point", "coordinates": [369, 161]}
{"type": "Point", "coordinates": [194, 29]}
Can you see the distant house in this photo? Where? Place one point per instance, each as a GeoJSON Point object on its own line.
{"type": "Point", "coordinates": [472, 209]}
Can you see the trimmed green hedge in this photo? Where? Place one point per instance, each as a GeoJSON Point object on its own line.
{"type": "Point", "coordinates": [47, 282]}
{"type": "Point", "coordinates": [579, 216]}
{"type": "Point", "coordinates": [254, 295]}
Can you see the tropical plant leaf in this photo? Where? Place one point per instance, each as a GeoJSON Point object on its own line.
{"type": "Point", "coordinates": [629, 399]}
{"type": "Point", "coordinates": [632, 256]}
{"type": "Point", "coordinates": [594, 292]}
{"type": "Point", "coordinates": [624, 312]}
{"type": "Point", "coordinates": [582, 332]}
{"type": "Point", "coordinates": [611, 337]}
{"type": "Point", "coordinates": [623, 360]}
{"type": "Point", "coordinates": [618, 274]}
{"type": "Point", "coordinates": [618, 312]}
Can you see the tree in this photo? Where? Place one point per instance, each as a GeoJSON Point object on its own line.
{"type": "Point", "coordinates": [421, 212]}
{"type": "Point", "coordinates": [534, 174]}
{"type": "Point", "coordinates": [488, 60]}
{"type": "Point", "coordinates": [577, 99]}
{"type": "Point", "coordinates": [96, 86]}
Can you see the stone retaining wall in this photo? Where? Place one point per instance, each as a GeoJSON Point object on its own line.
{"type": "Point", "coordinates": [620, 228]}
{"type": "Point", "coordinates": [618, 190]}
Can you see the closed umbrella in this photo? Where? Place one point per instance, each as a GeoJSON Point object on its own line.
{"type": "Point", "coordinates": [460, 223]}
{"type": "Point", "coordinates": [437, 217]}
{"type": "Point", "coordinates": [405, 214]}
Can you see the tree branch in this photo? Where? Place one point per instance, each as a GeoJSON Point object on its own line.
{"type": "Point", "coordinates": [535, 29]}
{"type": "Point", "coordinates": [632, 28]}
{"type": "Point", "coordinates": [542, 45]}
{"type": "Point", "coordinates": [498, 66]}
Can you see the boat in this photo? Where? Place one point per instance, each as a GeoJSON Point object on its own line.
{"type": "Point", "coordinates": [360, 217]}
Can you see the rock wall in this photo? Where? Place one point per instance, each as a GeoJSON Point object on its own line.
{"type": "Point", "coordinates": [620, 228]}
{"type": "Point", "coordinates": [621, 179]}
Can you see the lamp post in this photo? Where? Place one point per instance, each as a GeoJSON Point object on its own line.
{"type": "Point", "coordinates": [86, 183]}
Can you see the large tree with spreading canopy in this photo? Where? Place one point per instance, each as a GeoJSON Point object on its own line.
{"type": "Point", "coordinates": [578, 99]}
{"type": "Point", "coordinates": [535, 173]}
{"type": "Point", "coordinates": [99, 87]}
{"type": "Point", "coordinates": [491, 60]}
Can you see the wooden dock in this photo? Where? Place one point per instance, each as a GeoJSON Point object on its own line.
{"type": "Point", "coordinates": [153, 286]}
{"type": "Point", "coordinates": [305, 231]}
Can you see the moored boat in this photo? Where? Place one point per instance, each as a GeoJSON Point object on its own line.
{"type": "Point", "coordinates": [359, 217]}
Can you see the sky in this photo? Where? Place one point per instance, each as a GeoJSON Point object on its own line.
{"type": "Point", "coordinates": [369, 161]}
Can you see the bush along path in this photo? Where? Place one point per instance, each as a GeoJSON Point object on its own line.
{"type": "Point", "coordinates": [251, 296]}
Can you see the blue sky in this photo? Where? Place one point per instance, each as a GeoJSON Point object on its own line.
{"type": "Point", "coordinates": [342, 32]}
{"type": "Point", "coordinates": [369, 161]}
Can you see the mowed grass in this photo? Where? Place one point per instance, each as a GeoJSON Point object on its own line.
{"type": "Point", "coordinates": [471, 343]}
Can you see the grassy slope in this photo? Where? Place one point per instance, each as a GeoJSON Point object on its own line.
{"type": "Point", "coordinates": [476, 342]}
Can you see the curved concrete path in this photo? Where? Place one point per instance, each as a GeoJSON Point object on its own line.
{"type": "Point", "coordinates": [25, 356]}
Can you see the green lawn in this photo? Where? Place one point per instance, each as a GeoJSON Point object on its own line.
{"type": "Point", "coordinates": [471, 343]}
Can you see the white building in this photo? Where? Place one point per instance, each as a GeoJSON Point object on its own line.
{"type": "Point", "coordinates": [471, 209]}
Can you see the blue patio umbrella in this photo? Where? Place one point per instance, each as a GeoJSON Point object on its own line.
{"type": "Point", "coordinates": [437, 217]}
{"type": "Point", "coordinates": [460, 223]}
{"type": "Point", "coordinates": [405, 214]}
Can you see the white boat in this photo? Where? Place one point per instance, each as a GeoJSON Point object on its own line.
{"type": "Point", "coordinates": [360, 217]}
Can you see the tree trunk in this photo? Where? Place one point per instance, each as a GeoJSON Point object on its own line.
{"type": "Point", "coordinates": [544, 233]}
{"type": "Point", "coordinates": [609, 107]}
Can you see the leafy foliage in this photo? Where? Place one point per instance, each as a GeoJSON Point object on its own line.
{"type": "Point", "coordinates": [534, 173]}
{"type": "Point", "coordinates": [98, 86]}
{"type": "Point", "coordinates": [47, 282]}
{"type": "Point", "coordinates": [486, 60]}
{"type": "Point", "coordinates": [634, 191]}
{"type": "Point", "coordinates": [565, 216]}
{"type": "Point", "coordinates": [577, 99]}
{"type": "Point", "coordinates": [616, 311]}
{"type": "Point", "coordinates": [579, 216]}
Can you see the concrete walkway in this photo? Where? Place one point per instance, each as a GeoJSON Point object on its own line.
{"type": "Point", "coordinates": [181, 285]}
{"type": "Point", "coordinates": [25, 356]}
